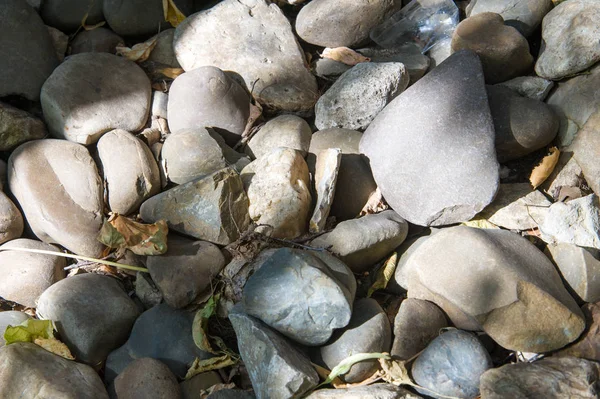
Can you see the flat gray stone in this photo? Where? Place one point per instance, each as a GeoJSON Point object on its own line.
{"type": "Point", "coordinates": [586, 150]}
{"type": "Point", "coordinates": [326, 173]}
{"type": "Point", "coordinates": [374, 391]}
{"type": "Point", "coordinates": [17, 127]}
{"type": "Point", "coordinates": [282, 131]}
{"type": "Point", "coordinates": [574, 222]}
{"type": "Point", "coordinates": [448, 172]}
{"type": "Point", "coordinates": [524, 15]}
{"type": "Point", "coordinates": [67, 15]}
{"type": "Point", "coordinates": [118, 84]}
{"type": "Point", "coordinates": [11, 220]}
{"type": "Point", "coordinates": [415, 63]}
{"type": "Point", "coordinates": [147, 378]}
{"type": "Point", "coordinates": [532, 87]}
{"type": "Point", "coordinates": [99, 40]}
{"type": "Point", "coordinates": [579, 267]}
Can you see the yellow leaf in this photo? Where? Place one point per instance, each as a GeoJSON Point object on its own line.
{"type": "Point", "coordinates": [384, 274]}
{"type": "Point", "coordinates": [172, 13]}
{"type": "Point", "coordinates": [139, 52]}
{"type": "Point", "coordinates": [90, 27]}
{"type": "Point", "coordinates": [540, 173]}
{"type": "Point", "coordinates": [28, 331]}
{"type": "Point", "coordinates": [55, 346]}
{"type": "Point", "coordinates": [480, 224]}
{"type": "Point", "coordinates": [141, 239]}
{"type": "Point", "coordinates": [214, 363]}
{"type": "Point", "coordinates": [344, 55]}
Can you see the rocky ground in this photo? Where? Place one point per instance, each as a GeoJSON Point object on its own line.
{"type": "Point", "coordinates": [321, 199]}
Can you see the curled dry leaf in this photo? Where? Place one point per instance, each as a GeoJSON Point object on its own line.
{"type": "Point", "coordinates": [172, 13]}
{"type": "Point", "coordinates": [344, 55]}
{"type": "Point", "coordinates": [139, 52]}
{"type": "Point", "coordinates": [384, 274]}
{"type": "Point", "coordinates": [214, 363]}
{"type": "Point", "coordinates": [55, 346]}
{"type": "Point", "coordinates": [141, 239]}
{"type": "Point", "coordinates": [540, 173]}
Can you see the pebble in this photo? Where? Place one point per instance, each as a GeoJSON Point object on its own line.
{"type": "Point", "coordinates": [451, 365]}
{"type": "Point", "coordinates": [147, 378]}
{"type": "Point", "coordinates": [163, 52]}
{"type": "Point", "coordinates": [361, 243]}
{"type": "Point", "coordinates": [310, 300]}
{"type": "Point", "coordinates": [288, 131]}
{"type": "Point", "coordinates": [28, 371]}
{"type": "Point", "coordinates": [447, 269]}
{"type": "Point", "coordinates": [569, 37]}
{"type": "Point", "coordinates": [360, 94]}
{"type": "Point", "coordinates": [185, 270]}
{"type": "Point", "coordinates": [11, 220]}
{"type": "Point", "coordinates": [448, 172]}
{"type": "Point", "coordinates": [92, 314]}
{"type": "Point", "coordinates": [532, 87]}
{"type": "Point", "coordinates": [207, 97]}
{"type": "Point", "coordinates": [374, 391]}
{"type": "Point", "coordinates": [586, 150]}
{"type": "Point", "coordinates": [10, 318]}
{"type": "Point", "coordinates": [99, 40]}
{"type": "Point", "coordinates": [415, 63]}
{"type": "Point", "coordinates": [214, 208]}
{"type": "Point", "coordinates": [276, 74]}
{"type": "Point", "coordinates": [525, 16]}
{"type": "Point", "coordinates": [276, 368]}
{"type": "Point", "coordinates": [56, 184]}
{"type": "Point", "coordinates": [325, 178]}
{"type": "Point", "coordinates": [567, 174]}
{"type": "Point", "coordinates": [67, 15]}
{"type": "Point", "coordinates": [503, 51]}
{"type": "Point", "coordinates": [17, 127]}
{"type": "Point", "coordinates": [579, 267]}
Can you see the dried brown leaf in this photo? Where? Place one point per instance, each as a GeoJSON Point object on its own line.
{"type": "Point", "coordinates": [375, 204]}
{"type": "Point", "coordinates": [172, 13]}
{"type": "Point", "coordinates": [55, 346]}
{"type": "Point", "coordinates": [540, 173]}
{"type": "Point", "coordinates": [344, 55]}
{"type": "Point", "coordinates": [142, 239]}
{"type": "Point", "coordinates": [139, 52]}
{"type": "Point", "coordinates": [384, 274]}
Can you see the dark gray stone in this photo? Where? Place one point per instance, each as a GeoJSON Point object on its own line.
{"type": "Point", "coordinates": [146, 291]}
{"type": "Point", "coordinates": [67, 15]}
{"type": "Point", "coordinates": [524, 15]}
{"type": "Point", "coordinates": [193, 387]}
{"type": "Point", "coordinates": [147, 378]}
{"type": "Point", "coordinates": [163, 52]}
{"type": "Point", "coordinates": [99, 40]}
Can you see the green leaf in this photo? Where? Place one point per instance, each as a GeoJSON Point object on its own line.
{"type": "Point", "coordinates": [344, 366]}
{"type": "Point", "coordinates": [214, 363]}
{"type": "Point", "coordinates": [200, 325]}
{"type": "Point", "coordinates": [384, 274]}
{"type": "Point", "coordinates": [28, 331]}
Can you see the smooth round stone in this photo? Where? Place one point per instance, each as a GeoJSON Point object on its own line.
{"type": "Point", "coordinates": [92, 313]}
{"type": "Point", "coordinates": [25, 276]}
{"type": "Point", "coordinates": [451, 365]}
{"type": "Point", "coordinates": [368, 331]}
{"type": "Point", "coordinates": [289, 131]}
{"type": "Point", "coordinates": [17, 127]}
{"type": "Point", "coordinates": [185, 270]}
{"type": "Point", "coordinates": [522, 125]}
{"type": "Point", "coordinates": [207, 97]}
{"type": "Point", "coordinates": [10, 318]}
{"type": "Point", "coordinates": [118, 89]}
{"type": "Point", "coordinates": [11, 220]}
{"type": "Point", "coordinates": [503, 51]}
{"type": "Point", "coordinates": [147, 378]}
{"type": "Point", "coordinates": [67, 15]}
{"type": "Point", "coordinates": [99, 40]}
{"type": "Point", "coordinates": [355, 181]}
{"type": "Point", "coordinates": [56, 184]}
{"type": "Point", "coordinates": [24, 71]}
{"type": "Point", "coordinates": [130, 171]}
{"type": "Point", "coordinates": [139, 17]}
{"type": "Point", "coordinates": [342, 23]}
{"type": "Point", "coordinates": [525, 16]}
{"type": "Point", "coordinates": [163, 52]}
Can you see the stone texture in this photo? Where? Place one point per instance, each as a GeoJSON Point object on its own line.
{"type": "Point", "coordinates": [24, 71]}
{"type": "Point", "coordinates": [60, 42]}
{"type": "Point", "coordinates": [580, 268]}
{"type": "Point", "coordinates": [367, 332]}
{"type": "Point", "coordinates": [67, 15]}
{"type": "Point", "coordinates": [415, 63]}
{"type": "Point", "coordinates": [567, 174]}
{"type": "Point", "coordinates": [326, 173]}
{"type": "Point", "coordinates": [28, 371]}
{"type": "Point", "coordinates": [283, 131]}
{"type": "Point", "coordinates": [131, 174]}
{"type": "Point", "coordinates": [276, 368]}
{"type": "Point", "coordinates": [99, 40]}
{"type": "Point", "coordinates": [192, 388]}
{"type": "Point", "coordinates": [214, 208]}
{"type": "Point", "coordinates": [523, 15]}
{"type": "Point", "coordinates": [207, 97]}
{"type": "Point", "coordinates": [503, 51]}
{"type": "Point", "coordinates": [10, 318]}
{"type": "Point", "coordinates": [92, 314]}
{"type": "Point", "coordinates": [375, 391]}
{"type": "Point", "coordinates": [451, 365]}
{"type": "Point", "coordinates": [586, 150]}
{"type": "Point", "coordinates": [147, 378]}
{"type": "Point", "coordinates": [399, 282]}
{"type": "Point", "coordinates": [347, 23]}
{"type": "Point", "coordinates": [516, 296]}
{"type": "Point", "coordinates": [278, 190]}
{"type": "Point", "coordinates": [11, 220]}
{"type": "Point", "coordinates": [569, 39]}
{"type": "Point", "coordinates": [92, 93]}
{"type": "Point", "coordinates": [25, 276]}
{"type": "Point", "coordinates": [17, 127]}
{"type": "Point", "coordinates": [160, 101]}
{"type": "Point", "coordinates": [522, 125]}
{"type": "Point", "coordinates": [360, 94]}
{"type": "Point", "coordinates": [185, 270]}
{"type": "Point", "coordinates": [361, 243]}
{"type": "Point", "coordinates": [448, 172]}
{"type": "Point", "coordinates": [416, 324]}
{"type": "Point", "coordinates": [532, 87]}
{"type": "Point", "coordinates": [231, 394]}
{"type": "Point", "coordinates": [163, 52]}
{"type": "Point", "coordinates": [355, 181]}
{"type": "Point", "coordinates": [297, 294]}
{"type": "Point", "coordinates": [588, 345]}
{"type": "Point", "coordinates": [56, 184]}
{"type": "Point", "coordinates": [147, 291]}
{"type": "Point", "coordinates": [254, 39]}
{"type": "Point", "coordinates": [566, 377]}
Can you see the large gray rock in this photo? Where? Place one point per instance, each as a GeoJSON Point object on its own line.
{"type": "Point", "coordinates": [17, 127]}
{"type": "Point", "coordinates": [346, 23]}
{"type": "Point", "coordinates": [207, 97]}
{"type": "Point", "coordinates": [130, 171]}
{"type": "Point", "coordinates": [67, 15]}
{"type": "Point", "coordinates": [277, 369]}
{"type": "Point", "coordinates": [92, 93]}
{"type": "Point", "coordinates": [374, 391]}
{"type": "Point", "coordinates": [296, 293]}
{"type": "Point", "coordinates": [368, 331]}
{"type": "Point", "coordinates": [565, 377]}
{"type": "Point", "coordinates": [451, 365]}
{"type": "Point", "coordinates": [11, 220]}
{"type": "Point", "coordinates": [522, 125]}
{"type": "Point", "coordinates": [586, 150]}
{"type": "Point", "coordinates": [569, 39]}
{"type": "Point", "coordinates": [254, 39]}
{"type": "Point", "coordinates": [283, 131]}
{"type": "Point", "coordinates": [355, 181]}
{"type": "Point", "coordinates": [214, 208]}
{"type": "Point", "coordinates": [28, 53]}
{"type": "Point", "coordinates": [29, 371]}
{"type": "Point", "coordinates": [147, 378]}
{"type": "Point", "coordinates": [278, 190]}
{"type": "Point", "coordinates": [532, 87]}
{"type": "Point", "coordinates": [99, 40]}
{"type": "Point", "coordinates": [25, 275]}
{"type": "Point", "coordinates": [361, 243]}
{"type": "Point", "coordinates": [448, 172]}
{"type": "Point", "coordinates": [92, 314]}
{"type": "Point", "coordinates": [56, 184]}
{"type": "Point", "coordinates": [496, 281]}
{"type": "Point", "coordinates": [524, 15]}
{"type": "Point", "coordinates": [360, 94]}
{"type": "Point", "coordinates": [10, 318]}
{"type": "Point", "coordinates": [579, 267]}
{"type": "Point", "coordinates": [185, 270]}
